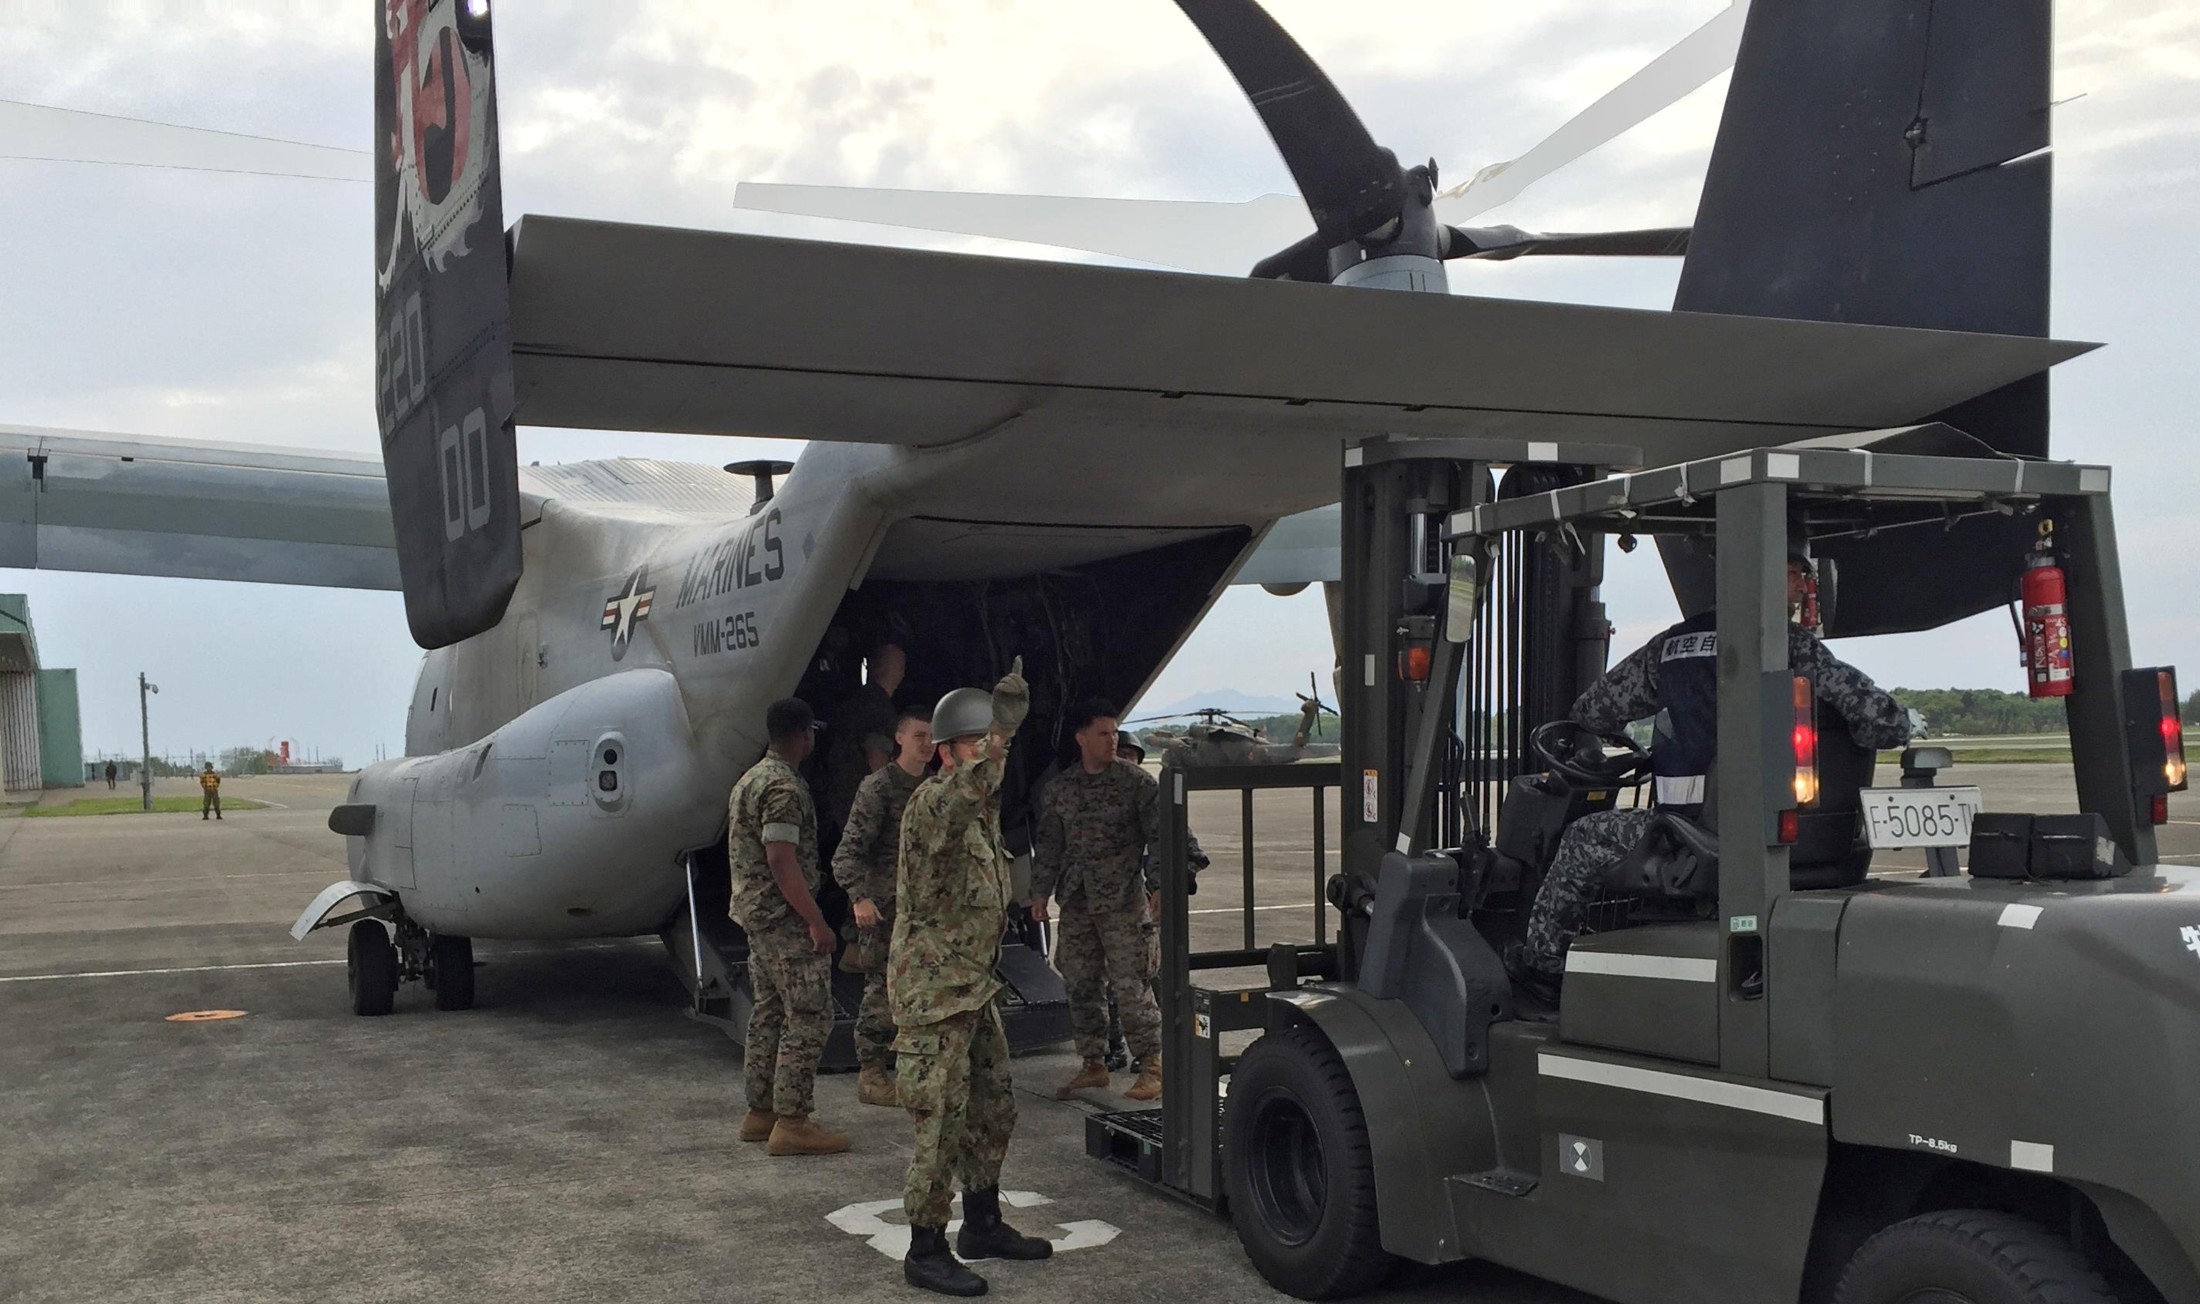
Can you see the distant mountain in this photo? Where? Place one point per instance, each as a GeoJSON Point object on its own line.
{"type": "Point", "coordinates": [1222, 699]}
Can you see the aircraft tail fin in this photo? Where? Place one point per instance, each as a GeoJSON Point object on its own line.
{"type": "Point", "coordinates": [444, 394]}
{"type": "Point", "coordinates": [1884, 162]}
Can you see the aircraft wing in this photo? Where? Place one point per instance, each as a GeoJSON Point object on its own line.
{"type": "Point", "coordinates": [127, 504]}
{"type": "Point", "coordinates": [653, 328]}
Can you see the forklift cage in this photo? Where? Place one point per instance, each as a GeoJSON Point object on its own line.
{"type": "Point", "coordinates": [1178, 1147]}
{"type": "Point", "coordinates": [1743, 501]}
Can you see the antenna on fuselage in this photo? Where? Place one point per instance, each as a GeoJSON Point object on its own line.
{"type": "Point", "coordinates": [765, 471]}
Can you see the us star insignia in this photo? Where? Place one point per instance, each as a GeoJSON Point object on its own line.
{"type": "Point", "coordinates": [623, 611]}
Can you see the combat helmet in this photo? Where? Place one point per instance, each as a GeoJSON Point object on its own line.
{"type": "Point", "coordinates": [962, 713]}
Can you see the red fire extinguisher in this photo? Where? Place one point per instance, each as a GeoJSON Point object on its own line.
{"type": "Point", "coordinates": [2046, 621]}
{"type": "Point", "coordinates": [1808, 618]}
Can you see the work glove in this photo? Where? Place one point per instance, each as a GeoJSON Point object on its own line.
{"type": "Point", "coordinates": [1011, 698]}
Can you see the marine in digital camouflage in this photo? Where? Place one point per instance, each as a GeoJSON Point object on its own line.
{"type": "Point", "coordinates": [1091, 838]}
{"type": "Point", "coordinates": [865, 864]}
{"type": "Point", "coordinates": [770, 803]}
{"type": "Point", "coordinates": [792, 1010]}
{"type": "Point", "coordinates": [866, 712]}
{"type": "Point", "coordinates": [789, 1019]}
{"type": "Point", "coordinates": [1629, 692]}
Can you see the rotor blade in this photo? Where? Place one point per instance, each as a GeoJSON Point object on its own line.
{"type": "Point", "coordinates": [1352, 185]}
{"type": "Point", "coordinates": [1497, 243]}
{"type": "Point", "coordinates": [1700, 56]}
{"type": "Point", "coordinates": [41, 132]}
{"type": "Point", "coordinates": [1219, 239]}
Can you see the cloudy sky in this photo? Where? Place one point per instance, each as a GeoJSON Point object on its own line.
{"type": "Point", "coordinates": [239, 308]}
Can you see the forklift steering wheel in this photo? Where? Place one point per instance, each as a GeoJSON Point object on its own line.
{"type": "Point", "coordinates": [1576, 753]}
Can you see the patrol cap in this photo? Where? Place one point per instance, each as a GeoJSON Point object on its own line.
{"type": "Point", "coordinates": [1799, 547]}
{"type": "Point", "coordinates": [962, 713]}
{"type": "Point", "coordinates": [787, 717]}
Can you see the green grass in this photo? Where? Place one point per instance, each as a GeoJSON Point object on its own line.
{"type": "Point", "coordinates": [136, 806]}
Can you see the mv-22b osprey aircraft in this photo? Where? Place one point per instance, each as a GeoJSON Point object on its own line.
{"type": "Point", "coordinates": [1063, 462]}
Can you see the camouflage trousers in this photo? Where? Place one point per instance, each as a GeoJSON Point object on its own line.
{"type": "Point", "coordinates": [1104, 953]}
{"type": "Point", "coordinates": [1576, 878]}
{"type": "Point", "coordinates": [955, 1082]}
{"type": "Point", "coordinates": [790, 1019]}
{"type": "Point", "coordinates": [867, 954]}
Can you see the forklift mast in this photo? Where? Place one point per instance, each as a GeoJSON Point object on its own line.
{"type": "Point", "coordinates": [1433, 730]}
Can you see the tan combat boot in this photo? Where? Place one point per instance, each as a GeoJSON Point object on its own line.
{"type": "Point", "coordinates": [1093, 1075]}
{"type": "Point", "coordinates": [800, 1135]}
{"type": "Point", "coordinates": [757, 1124]}
{"type": "Point", "coordinates": [875, 1086]}
{"type": "Point", "coordinates": [1148, 1086]}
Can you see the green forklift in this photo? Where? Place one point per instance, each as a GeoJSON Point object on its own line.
{"type": "Point", "coordinates": [1770, 1073]}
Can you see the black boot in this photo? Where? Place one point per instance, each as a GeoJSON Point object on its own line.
{"type": "Point", "coordinates": [985, 1236]}
{"type": "Point", "coordinates": [928, 1265]}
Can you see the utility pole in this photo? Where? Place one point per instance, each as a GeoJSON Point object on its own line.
{"type": "Point", "coordinates": [145, 740]}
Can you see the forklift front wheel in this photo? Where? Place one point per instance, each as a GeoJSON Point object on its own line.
{"type": "Point", "coordinates": [1974, 1255]}
{"type": "Point", "coordinates": [1301, 1170]}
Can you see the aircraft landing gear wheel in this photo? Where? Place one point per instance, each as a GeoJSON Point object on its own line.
{"type": "Point", "coordinates": [1301, 1173]}
{"type": "Point", "coordinates": [451, 972]}
{"type": "Point", "coordinates": [370, 962]}
{"type": "Point", "coordinates": [1969, 1256]}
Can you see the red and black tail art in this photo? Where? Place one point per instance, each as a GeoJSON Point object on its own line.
{"type": "Point", "coordinates": [442, 310]}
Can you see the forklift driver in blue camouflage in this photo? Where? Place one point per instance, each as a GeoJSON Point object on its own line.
{"type": "Point", "coordinates": [952, 893]}
{"type": "Point", "coordinates": [1674, 678]}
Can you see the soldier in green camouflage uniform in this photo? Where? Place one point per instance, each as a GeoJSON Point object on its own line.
{"type": "Point", "coordinates": [1096, 820]}
{"type": "Point", "coordinates": [952, 896]}
{"type": "Point", "coordinates": [771, 842]}
{"type": "Point", "coordinates": [864, 866]}
{"type": "Point", "coordinates": [1628, 692]}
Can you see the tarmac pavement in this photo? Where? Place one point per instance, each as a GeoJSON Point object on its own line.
{"type": "Point", "coordinates": [571, 1138]}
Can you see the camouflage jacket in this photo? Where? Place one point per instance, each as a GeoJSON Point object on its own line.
{"type": "Point", "coordinates": [1092, 834]}
{"type": "Point", "coordinates": [1629, 692]}
{"type": "Point", "coordinates": [870, 842]}
{"type": "Point", "coordinates": [770, 803]}
{"type": "Point", "coordinates": [952, 896]}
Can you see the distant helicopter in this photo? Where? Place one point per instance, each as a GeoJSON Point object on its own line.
{"type": "Point", "coordinates": [1215, 737]}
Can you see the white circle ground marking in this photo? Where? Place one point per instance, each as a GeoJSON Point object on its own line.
{"type": "Point", "coordinates": [867, 1219]}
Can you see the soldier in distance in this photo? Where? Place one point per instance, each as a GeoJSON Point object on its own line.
{"type": "Point", "coordinates": [1675, 678]}
{"type": "Point", "coordinates": [1096, 819]}
{"type": "Point", "coordinates": [952, 891]}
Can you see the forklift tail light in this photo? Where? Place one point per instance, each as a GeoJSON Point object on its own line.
{"type": "Point", "coordinates": [1413, 663]}
{"type": "Point", "coordinates": [2173, 731]}
{"type": "Point", "coordinates": [2158, 808]}
{"type": "Point", "coordinates": [1806, 747]}
{"type": "Point", "coordinates": [1791, 827]}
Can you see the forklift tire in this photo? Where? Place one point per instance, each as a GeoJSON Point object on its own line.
{"type": "Point", "coordinates": [1970, 1256]}
{"type": "Point", "coordinates": [451, 971]}
{"type": "Point", "coordinates": [1301, 1171]}
{"type": "Point", "coordinates": [370, 963]}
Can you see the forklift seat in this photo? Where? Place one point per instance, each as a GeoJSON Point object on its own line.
{"type": "Point", "coordinates": [1675, 864]}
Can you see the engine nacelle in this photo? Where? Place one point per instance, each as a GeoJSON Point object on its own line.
{"type": "Point", "coordinates": [569, 821]}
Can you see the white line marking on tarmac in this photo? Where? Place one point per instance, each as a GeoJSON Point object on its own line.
{"type": "Point", "coordinates": [1233, 910]}
{"type": "Point", "coordinates": [277, 964]}
{"type": "Point", "coordinates": [137, 973]}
